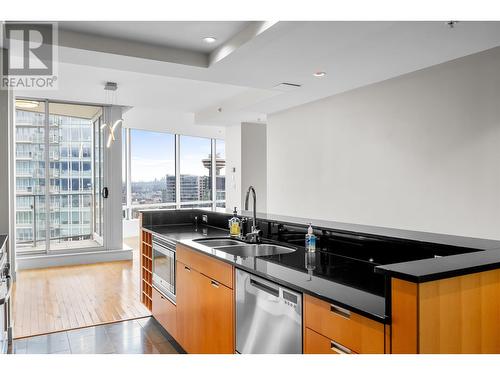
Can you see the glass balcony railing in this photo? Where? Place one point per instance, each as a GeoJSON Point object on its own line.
{"type": "Point", "coordinates": [73, 216]}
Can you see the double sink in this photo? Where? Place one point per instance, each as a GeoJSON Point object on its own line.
{"type": "Point", "coordinates": [243, 249]}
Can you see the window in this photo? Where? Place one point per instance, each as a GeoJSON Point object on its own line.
{"type": "Point", "coordinates": [149, 172]}
{"type": "Point", "coordinates": [195, 169]}
{"type": "Point", "coordinates": [152, 167]}
{"type": "Point", "coordinates": [54, 148]}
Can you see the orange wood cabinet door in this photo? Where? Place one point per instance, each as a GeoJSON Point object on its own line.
{"type": "Point", "coordinates": [350, 330]}
{"type": "Point", "coordinates": [216, 317]}
{"type": "Point", "coordinates": [314, 343]}
{"type": "Point", "coordinates": [205, 264]}
{"type": "Point", "coordinates": [165, 312]}
{"type": "Point", "coordinates": [188, 308]}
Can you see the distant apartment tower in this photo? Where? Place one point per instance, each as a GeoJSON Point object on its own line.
{"type": "Point", "coordinates": [168, 193]}
{"type": "Point", "coordinates": [67, 172]}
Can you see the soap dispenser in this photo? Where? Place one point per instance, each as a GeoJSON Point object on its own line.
{"type": "Point", "coordinates": [235, 225]}
{"type": "Point", "coordinates": [310, 240]}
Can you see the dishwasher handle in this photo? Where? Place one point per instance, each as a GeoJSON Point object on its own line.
{"type": "Point", "coordinates": [264, 287]}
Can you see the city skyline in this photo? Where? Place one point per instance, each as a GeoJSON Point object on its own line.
{"type": "Point", "coordinates": [147, 163]}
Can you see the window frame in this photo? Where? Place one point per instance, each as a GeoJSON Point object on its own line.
{"type": "Point", "coordinates": [128, 208]}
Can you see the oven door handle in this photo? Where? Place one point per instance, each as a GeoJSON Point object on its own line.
{"type": "Point", "coordinates": [163, 249]}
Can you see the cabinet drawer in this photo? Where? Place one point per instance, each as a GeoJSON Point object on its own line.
{"type": "Point", "coordinates": [319, 344]}
{"type": "Point", "coordinates": [359, 334]}
{"type": "Point", "coordinates": [206, 265]}
{"type": "Point", "coordinates": [165, 312]}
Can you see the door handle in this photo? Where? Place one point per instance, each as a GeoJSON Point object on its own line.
{"type": "Point", "coordinates": [105, 192]}
{"type": "Point", "coordinates": [344, 313]}
{"type": "Point", "coordinates": [264, 288]}
{"type": "Point", "coordinates": [215, 284]}
{"type": "Point", "coordinates": [187, 268]}
{"type": "Point", "coordinates": [339, 349]}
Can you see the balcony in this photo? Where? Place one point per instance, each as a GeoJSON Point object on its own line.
{"type": "Point", "coordinates": [23, 173]}
{"type": "Point", "coordinates": [56, 220]}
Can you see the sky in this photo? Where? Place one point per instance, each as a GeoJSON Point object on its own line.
{"type": "Point", "coordinates": [153, 155]}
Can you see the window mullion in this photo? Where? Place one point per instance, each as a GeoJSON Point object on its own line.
{"type": "Point", "coordinates": [128, 174]}
{"type": "Point", "coordinates": [47, 178]}
{"type": "Point", "coordinates": [214, 177]}
{"type": "Point", "coordinates": [177, 172]}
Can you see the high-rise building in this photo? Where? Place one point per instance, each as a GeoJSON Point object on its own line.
{"type": "Point", "coordinates": [68, 170]}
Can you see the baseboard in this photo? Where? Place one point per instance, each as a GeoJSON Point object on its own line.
{"type": "Point", "coordinates": [55, 260]}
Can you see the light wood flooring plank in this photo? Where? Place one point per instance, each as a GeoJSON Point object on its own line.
{"type": "Point", "coordinates": [60, 298]}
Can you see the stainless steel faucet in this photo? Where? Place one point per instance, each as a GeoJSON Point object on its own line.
{"type": "Point", "coordinates": [254, 234]}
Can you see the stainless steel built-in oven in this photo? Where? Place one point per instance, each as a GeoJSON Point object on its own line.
{"type": "Point", "coordinates": [164, 266]}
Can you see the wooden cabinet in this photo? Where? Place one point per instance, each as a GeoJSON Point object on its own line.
{"type": "Point", "coordinates": [188, 308]}
{"type": "Point", "coordinates": [319, 344]}
{"type": "Point", "coordinates": [165, 312]}
{"type": "Point", "coordinates": [210, 267]}
{"type": "Point", "coordinates": [454, 315]}
{"type": "Point", "coordinates": [205, 303]}
{"type": "Point", "coordinates": [216, 317]}
{"type": "Point", "coordinates": [340, 330]}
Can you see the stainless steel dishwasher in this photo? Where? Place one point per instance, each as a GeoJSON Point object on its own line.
{"type": "Point", "coordinates": [268, 317]}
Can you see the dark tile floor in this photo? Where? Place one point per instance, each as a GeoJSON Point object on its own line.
{"type": "Point", "coordinates": [140, 336]}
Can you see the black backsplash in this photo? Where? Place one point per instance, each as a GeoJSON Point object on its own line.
{"type": "Point", "coordinates": [348, 258]}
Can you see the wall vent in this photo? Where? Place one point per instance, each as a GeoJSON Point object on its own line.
{"type": "Point", "coordinates": [285, 86]}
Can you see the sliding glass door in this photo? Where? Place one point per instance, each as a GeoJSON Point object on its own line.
{"type": "Point", "coordinates": [56, 178]}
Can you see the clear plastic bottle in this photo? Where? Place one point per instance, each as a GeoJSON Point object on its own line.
{"type": "Point", "coordinates": [310, 240]}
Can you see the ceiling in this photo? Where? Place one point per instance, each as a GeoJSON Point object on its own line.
{"type": "Point", "coordinates": [235, 81]}
{"type": "Point", "coordinates": [66, 109]}
{"type": "Point", "coordinates": [186, 35]}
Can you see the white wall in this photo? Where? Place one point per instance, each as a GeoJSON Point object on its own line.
{"type": "Point", "coordinates": [246, 153]}
{"type": "Point", "coordinates": [420, 152]}
{"type": "Point", "coordinates": [254, 163]}
{"type": "Point", "coordinates": [4, 161]}
{"type": "Point", "coordinates": [233, 162]}
{"type": "Point", "coordinates": [7, 215]}
{"type": "Point", "coordinates": [113, 230]}
{"type": "Point", "coordinates": [158, 119]}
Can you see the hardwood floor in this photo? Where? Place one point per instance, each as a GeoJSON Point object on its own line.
{"type": "Point", "coordinates": [61, 298]}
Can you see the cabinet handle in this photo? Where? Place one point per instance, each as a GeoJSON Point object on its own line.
{"type": "Point", "coordinates": [187, 268]}
{"type": "Point", "coordinates": [338, 348]}
{"type": "Point", "coordinates": [344, 313]}
{"type": "Point", "coordinates": [215, 284]}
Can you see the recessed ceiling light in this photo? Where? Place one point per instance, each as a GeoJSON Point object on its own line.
{"type": "Point", "coordinates": [319, 74]}
{"type": "Point", "coordinates": [209, 39]}
{"type": "Point", "coordinates": [26, 104]}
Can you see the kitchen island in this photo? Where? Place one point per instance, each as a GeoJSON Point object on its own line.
{"type": "Point", "coordinates": [356, 269]}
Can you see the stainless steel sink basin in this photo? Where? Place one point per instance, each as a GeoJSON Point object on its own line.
{"type": "Point", "coordinates": [216, 242]}
{"type": "Point", "coordinates": [255, 250]}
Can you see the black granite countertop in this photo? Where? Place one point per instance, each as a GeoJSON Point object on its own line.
{"type": "Point", "coordinates": [432, 256]}
{"type": "Point", "coordinates": [324, 275]}
{"type": "Point", "coordinates": [420, 271]}
{"type": "Point", "coordinates": [186, 231]}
